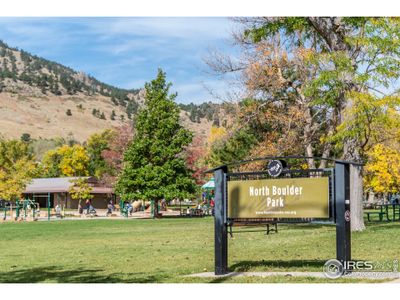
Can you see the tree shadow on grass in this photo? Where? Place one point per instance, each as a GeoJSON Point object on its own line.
{"type": "Point", "coordinates": [58, 275]}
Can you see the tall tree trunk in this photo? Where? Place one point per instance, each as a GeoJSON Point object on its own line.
{"type": "Point", "coordinates": [332, 118]}
{"type": "Point", "coordinates": [356, 184]}
{"type": "Point", "coordinates": [309, 151]}
{"type": "Point", "coordinates": [356, 196]}
{"type": "Point", "coordinates": [307, 135]}
{"type": "Point", "coordinates": [332, 30]}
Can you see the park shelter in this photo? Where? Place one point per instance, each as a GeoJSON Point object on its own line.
{"type": "Point", "coordinates": [210, 185]}
{"type": "Point", "coordinates": [40, 189]}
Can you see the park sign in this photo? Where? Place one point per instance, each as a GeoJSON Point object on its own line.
{"type": "Point", "coordinates": [275, 168]}
{"type": "Point", "coordinates": [272, 196]}
{"type": "Point", "coordinates": [279, 198]}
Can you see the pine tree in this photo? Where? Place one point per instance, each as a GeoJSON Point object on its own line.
{"type": "Point", "coordinates": [155, 168]}
{"type": "Point", "coordinates": [112, 117]}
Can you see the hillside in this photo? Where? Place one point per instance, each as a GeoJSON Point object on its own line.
{"type": "Point", "coordinates": [45, 100]}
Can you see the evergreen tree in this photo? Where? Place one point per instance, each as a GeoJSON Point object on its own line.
{"type": "Point", "coordinates": [154, 165]}
{"type": "Point", "coordinates": [112, 117]}
{"type": "Point", "coordinates": [131, 109]}
{"type": "Point", "coordinates": [26, 137]}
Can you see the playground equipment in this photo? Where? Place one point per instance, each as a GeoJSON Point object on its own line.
{"type": "Point", "coordinates": [48, 202]}
{"type": "Point", "coordinates": [60, 211]}
{"type": "Point", "coordinates": [126, 208]}
{"type": "Point", "coordinates": [25, 209]}
{"type": "Point", "coordinates": [4, 207]}
{"type": "Point", "coordinates": [123, 209]}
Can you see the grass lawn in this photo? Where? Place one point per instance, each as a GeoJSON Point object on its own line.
{"type": "Point", "coordinates": [165, 250]}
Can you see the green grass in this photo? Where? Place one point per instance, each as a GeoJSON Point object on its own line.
{"type": "Point", "coordinates": [167, 249]}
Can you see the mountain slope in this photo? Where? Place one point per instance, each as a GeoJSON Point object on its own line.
{"type": "Point", "coordinates": [45, 100]}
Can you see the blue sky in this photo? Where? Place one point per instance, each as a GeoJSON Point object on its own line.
{"type": "Point", "coordinates": [126, 52]}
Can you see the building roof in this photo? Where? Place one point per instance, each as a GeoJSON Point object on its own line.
{"type": "Point", "coordinates": [62, 185]}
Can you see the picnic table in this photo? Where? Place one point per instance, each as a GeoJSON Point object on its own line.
{"type": "Point", "coordinates": [384, 211]}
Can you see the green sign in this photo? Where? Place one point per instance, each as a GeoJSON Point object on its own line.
{"type": "Point", "coordinates": [279, 198]}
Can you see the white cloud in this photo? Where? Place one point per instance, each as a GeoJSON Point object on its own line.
{"type": "Point", "coordinates": [165, 27]}
{"type": "Point", "coordinates": [126, 52]}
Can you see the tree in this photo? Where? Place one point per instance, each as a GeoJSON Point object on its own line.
{"type": "Point", "coordinates": [68, 112]}
{"type": "Point", "coordinates": [154, 167]}
{"type": "Point", "coordinates": [17, 168]}
{"type": "Point", "coordinates": [112, 116]}
{"type": "Point", "coordinates": [66, 161]}
{"type": "Point", "coordinates": [383, 170]}
{"type": "Point", "coordinates": [235, 148]}
{"type": "Point", "coordinates": [323, 65]}
{"type": "Point", "coordinates": [114, 154]}
{"type": "Point", "coordinates": [26, 137]}
{"type": "Point", "coordinates": [195, 159]}
{"type": "Point", "coordinates": [131, 109]}
{"type": "Point", "coordinates": [96, 144]}
{"type": "Point", "coordinates": [80, 190]}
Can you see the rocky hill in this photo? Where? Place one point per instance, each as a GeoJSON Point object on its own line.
{"type": "Point", "coordinates": [45, 100]}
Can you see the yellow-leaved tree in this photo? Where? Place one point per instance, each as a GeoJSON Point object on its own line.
{"type": "Point", "coordinates": [66, 161]}
{"type": "Point", "coordinates": [80, 190]}
{"type": "Point", "coordinates": [17, 168]}
{"type": "Point", "coordinates": [382, 172]}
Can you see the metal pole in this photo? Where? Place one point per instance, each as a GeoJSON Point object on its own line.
{"type": "Point", "coordinates": [17, 209]}
{"type": "Point", "coordinates": [342, 212]}
{"type": "Point", "coordinates": [152, 208]}
{"type": "Point", "coordinates": [220, 226]}
{"type": "Point", "coordinates": [48, 206]}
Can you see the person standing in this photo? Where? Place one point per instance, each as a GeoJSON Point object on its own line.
{"type": "Point", "coordinates": [87, 206]}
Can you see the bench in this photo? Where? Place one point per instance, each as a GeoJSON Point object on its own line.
{"type": "Point", "coordinates": [379, 213]}
{"type": "Point", "coordinates": [254, 222]}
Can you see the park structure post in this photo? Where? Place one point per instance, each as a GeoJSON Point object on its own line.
{"type": "Point", "coordinates": [342, 212]}
{"type": "Point", "coordinates": [17, 208]}
{"type": "Point", "coordinates": [152, 209]}
{"type": "Point", "coordinates": [220, 227]}
{"type": "Point", "coordinates": [48, 206]}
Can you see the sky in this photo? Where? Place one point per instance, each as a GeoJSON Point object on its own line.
{"type": "Point", "coordinates": [126, 52]}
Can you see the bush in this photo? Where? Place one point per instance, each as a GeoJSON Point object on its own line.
{"type": "Point", "coordinates": [26, 137]}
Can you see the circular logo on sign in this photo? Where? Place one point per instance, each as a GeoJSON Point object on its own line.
{"type": "Point", "coordinates": [333, 269]}
{"type": "Point", "coordinates": [274, 168]}
{"type": "Point", "coordinates": [347, 215]}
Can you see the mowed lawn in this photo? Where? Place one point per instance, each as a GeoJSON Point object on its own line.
{"type": "Point", "coordinates": [167, 249]}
